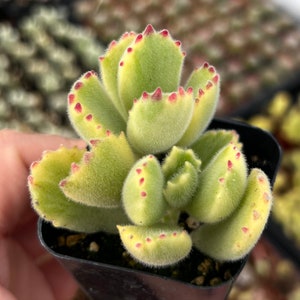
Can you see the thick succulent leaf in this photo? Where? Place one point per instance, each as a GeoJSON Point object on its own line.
{"type": "Point", "coordinates": [211, 142]}
{"type": "Point", "coordinates": [52, 205]}
{"type": "Point", "coordinates": [176, 160]}
{"type": "Point", "coordinates": [234, 237]}
{"type": "Point", "coordinates": [98, 179]}
{"type": "Point", "coordinates": [109, 66]}
{"type": "Point", "coordinates": [143, 192]}
{"type": "Point", "coordinates": [180, 189]}
{"type": "Point", "coordinates": [205, 83]}
{"type": "Point", "coordinates": [181, 168]}
{"type": "Point", "coordinates": [220, 186]}
{"type": "Point", "coordinates": [156, 246]}
{"type": "Point", "coordinates": [156, 122]}
{"type": "Point", "coordinates": [153, 60]}
{"type": "Point", "coordinates": [90, 109]}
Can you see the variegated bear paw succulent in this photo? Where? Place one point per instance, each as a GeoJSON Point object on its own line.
{"type": "Point", "coordinates": [150, 159]}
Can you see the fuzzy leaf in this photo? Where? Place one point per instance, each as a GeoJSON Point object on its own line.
{"type": "Point", "coordinates": [234, 237]}
{"type": "Point", "coordinates": [156, 122]}
{"type": "Point", "coordinates": [142, 192]}
{"type": "Point", "coordinates": [181, 168]}
{"type": "Point", "coordinates": [153, 60]}
{"type": "Point", "coordinates": [52, 205]}
{"type": "Point", "coordinates": [180, 188]}
{"type": "Point", "coordinates": [156, 246]}
{"type": "Point", "coordinates": [90, 109]}
{"type": "Point", "coordinates": [220, 186]}
{"type": "Point", "coordinates": [205, 83]}
{"type": "Point", "coordinates": [214, 140]}
{"type": "Point", "coordinates": [109, 65]}
{"type": "Point", "coordinates": [98, 179]}
{"type": "Point", "coordinates": [176, 160]}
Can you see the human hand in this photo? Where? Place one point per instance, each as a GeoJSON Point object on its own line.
{"type": "Point", "coordinates": [26, 270]}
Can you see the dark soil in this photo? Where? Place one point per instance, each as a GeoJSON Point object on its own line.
{"type": "Point", "coordinates": [106, 248]}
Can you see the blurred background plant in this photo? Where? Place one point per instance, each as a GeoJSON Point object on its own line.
{"type": "Point", "coordinates": [40, 57]}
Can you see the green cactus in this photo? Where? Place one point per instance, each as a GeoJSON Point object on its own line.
{"type": "Point", "coordinates": [150, 159]}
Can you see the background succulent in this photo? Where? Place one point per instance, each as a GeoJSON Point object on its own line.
{"type": "Point", "coordinates": [40, 57]}
{"type": "Point", "coordinates": [281, 117]}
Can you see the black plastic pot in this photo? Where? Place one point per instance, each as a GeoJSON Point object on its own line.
{"type": "Point", "coordinates": [104, 281]}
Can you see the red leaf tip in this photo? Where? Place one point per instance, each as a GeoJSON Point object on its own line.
{"type": "Point", "coordinates": [78, 85]}
{"type": "Point", "coordinates": [245, 229]}
{"type": "Point", "coordinates": [71, 98]}
{"type": "Point", "coordinates": [209, 85]}
{"type": "Point", "coordinates": [211, 69]}
{"type": "Point", "coordinates": [172, 97]}
{"type": "Point", "coordinates": [205, 65]}
{"type": "Point", "coordinates": [78, 107]}
{"type": "Point", "coordinates": [89, 74]}
{"type": "Point", "coordinates": [89, 117]}
{"type": "Point", "coordinates": [215, 79]}
{"type": "Point", "coordinates": [112, 44]}
{"type": "Point", "coordinates": [148, 30]}
{"type": "Point", "coordinates": [189, 90]}
{"type": "Point", "coordinates": [34, 164]}
{"type": "Point", "coordinates": [181, 91]}
{"type": "Point", "coordinates": [229, 164]}
{"type": "Point", "coordinates": [164, 33]}
{"type": "Point", "coordinates": [74, 167]}
{"type": "Point", "coordinates": [145, 95]}
{"type": "Point", "coordinates": [94, 142]}
{"type": "Point", "coordinates": [63, 183]}
{"type": "Point", "coordinates": [157, 95]}
{"type": "Point", "coordinates": [139, 37]}
{"type": "Point", "coordinates": [125, 35]}
{"type": "Point", "coordinates": [200, 92]}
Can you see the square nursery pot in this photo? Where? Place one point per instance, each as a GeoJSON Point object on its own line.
{"type": "Point", "coordinates": [104, 280]}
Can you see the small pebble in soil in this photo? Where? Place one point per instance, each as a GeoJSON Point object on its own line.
{"type": "Point", "coordinates": [94, 247]}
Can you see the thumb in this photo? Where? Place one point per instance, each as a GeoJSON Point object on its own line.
{"type": "Point", "coordinates": [17, 152]}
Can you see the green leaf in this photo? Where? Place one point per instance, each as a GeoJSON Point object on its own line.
{"type": "Point", "coordinates": [156, 122]}
{"type": "Point", "coordinates": [181, 168]}
{"type": "Point", "coordinates": [153, 60]}
{"type": "Point", "coordinates": [176, 160]}
{"type": "Point", "coordinates": [98, 179]}
{"type": "Point", "coordinates": [234, 237]}
{"type": "Point", "coordinates": [142, 192]}
{"type": "Point", "coordinates": [52, 205]}
{"type": "Point", "coordinates": [205, 83]}
{"type": "Point", "coordinates": [156, 246]}
{"type": "Point", "coordinates": [180, 189]}
{"type": "Point", "coordinates": [90, 109]}
{"type": "Point", "coordinates": [214, 140]}
{"type": "Point", "coordinates": [220, 186]}
{"type": "Point", "coordinates": [109, 66]}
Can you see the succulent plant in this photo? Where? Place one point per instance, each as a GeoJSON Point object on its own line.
{"type": "Point", "coordinates": [281, 118]}
{"type": "Point", "coordinates": [41, 54]}
{"type": "Point", "coordinates": [150, 159]}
